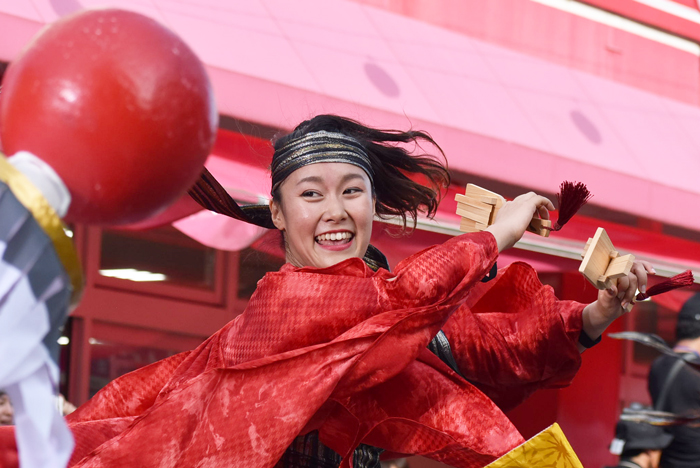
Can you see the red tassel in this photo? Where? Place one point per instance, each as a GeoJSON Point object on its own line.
{"type": "Point", "coordinates": [679, 281]}
{"type": "Point", "coordinates": [571, 197]}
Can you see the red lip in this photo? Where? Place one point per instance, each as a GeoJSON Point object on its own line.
{"type": "Point", "coordinates": [336, 248]}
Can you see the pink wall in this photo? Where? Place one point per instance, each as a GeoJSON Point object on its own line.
{"type": "Point", "coordinates": [569, 40]}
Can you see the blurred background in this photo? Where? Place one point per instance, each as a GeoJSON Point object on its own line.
{"type": "Point", "coordinates": [520, 94]}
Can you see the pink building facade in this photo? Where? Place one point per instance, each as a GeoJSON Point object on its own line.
{"type": "Point", "coordinates": [521, 95]}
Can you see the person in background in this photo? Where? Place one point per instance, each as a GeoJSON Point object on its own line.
{"type": "Point", "coordinates": [64, 406]}
{"type": "Point", "coordinates": [638, 444]}
{"type": "Point", "coordinates": [6, 411]}
{"type": "Point", "coordinates": [675, 387]}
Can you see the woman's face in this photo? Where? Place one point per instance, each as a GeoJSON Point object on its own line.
{"type": "Point", "coordinates": [326, 214]}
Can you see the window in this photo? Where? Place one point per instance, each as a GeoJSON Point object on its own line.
{"type": "Point", "coordinates": [161, 261]}
{"type": "Point", "coordinates": [163, 254]}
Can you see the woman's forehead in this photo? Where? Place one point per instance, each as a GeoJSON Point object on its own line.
{"type": "Point", "coordinates": [328, 172]}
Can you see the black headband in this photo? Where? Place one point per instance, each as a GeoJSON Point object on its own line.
{"type": "Point", "coordinates": [316, 147]}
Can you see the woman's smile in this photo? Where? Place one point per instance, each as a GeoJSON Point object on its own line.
{"type": "Point", "coordinates": [339, 240]}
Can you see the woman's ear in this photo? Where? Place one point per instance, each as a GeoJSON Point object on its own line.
{"type": "Point", "coordinates": [277, 215]}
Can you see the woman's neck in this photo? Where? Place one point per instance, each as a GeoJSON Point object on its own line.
{"type": "Point", "coordinates": [688, 346]}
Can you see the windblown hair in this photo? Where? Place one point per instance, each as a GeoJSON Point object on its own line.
{"type": "Point", "coordinates": [396, 169]}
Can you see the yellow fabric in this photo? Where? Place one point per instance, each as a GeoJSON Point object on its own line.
{"type": "Point", "coordinates": [33, 200]}
{"type": "Point", "coordinates": [548, 448]}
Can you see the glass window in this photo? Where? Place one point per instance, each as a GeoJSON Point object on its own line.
{"type": "Point", "coordinates": [163, 255]}
{"type": "Point", "coordinates": [650, 317]}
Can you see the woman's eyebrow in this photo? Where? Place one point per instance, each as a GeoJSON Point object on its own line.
{"type": "Point", "coordinates": [319, 180]}
{"type": "Point", "coordinates": [351, 176]}
{"type": "Point", "coordinates": [315, 179]}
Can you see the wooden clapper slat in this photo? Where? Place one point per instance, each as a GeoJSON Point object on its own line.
{"type": "Point", "coordinates": [478, 208]}
{"type": "Point", "coordinates": [602, 265]}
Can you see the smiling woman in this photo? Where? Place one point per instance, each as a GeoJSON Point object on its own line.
{"type": "Point", "coordinates": [332, 163]}
{"type": "Point", "coordinates": [325, 193]}
{"type": "Point", "coordinates": [337, 361]}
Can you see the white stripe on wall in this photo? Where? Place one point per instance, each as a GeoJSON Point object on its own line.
{"type": "Point", "coordinates": [673, 8]}
{"type": "Point", "coordinates": [624, 24]}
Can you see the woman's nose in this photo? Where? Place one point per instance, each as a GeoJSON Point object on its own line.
{"type": "Point", "coordinates": [335, 209]}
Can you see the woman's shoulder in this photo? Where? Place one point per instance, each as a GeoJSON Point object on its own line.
{"type": "Point", "coordinates": [354, 267]}
{"type": "Point", "coordinates": [357, 268]}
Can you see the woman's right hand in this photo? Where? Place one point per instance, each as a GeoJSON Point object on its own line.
{"type": "Point", "coordinates": [514, 217]}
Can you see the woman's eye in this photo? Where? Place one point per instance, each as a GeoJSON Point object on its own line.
{"type": "Point", "coordinates": [352, 190]}
{"type": "Point", "coordinates": [309, 193]}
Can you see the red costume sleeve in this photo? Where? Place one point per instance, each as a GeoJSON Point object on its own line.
{"type": "Point", "coordinates": [513, 336]}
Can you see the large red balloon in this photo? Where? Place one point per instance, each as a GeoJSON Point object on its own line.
{"type": "Point", "coordinates": [118, 105]}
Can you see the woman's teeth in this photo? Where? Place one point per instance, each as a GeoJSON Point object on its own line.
{"type": "Point", "coordinates": [334, 236]}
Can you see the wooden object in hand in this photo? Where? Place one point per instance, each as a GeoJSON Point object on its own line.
{"type": "Point", "coordinates": [541, 227]}
{"type": "Point", "coordinates": [478, 208]}
{"type": "Point", "coordinates": [602, 265]}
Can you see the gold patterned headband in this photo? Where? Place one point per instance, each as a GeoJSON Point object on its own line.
{"type": "Point", "coordinates": [316, 147]}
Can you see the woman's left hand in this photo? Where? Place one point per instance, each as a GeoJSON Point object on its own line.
{"type": "Point", "coordinates": [515, 216]}
{"type": "Point", "coordinates": [613, 303]}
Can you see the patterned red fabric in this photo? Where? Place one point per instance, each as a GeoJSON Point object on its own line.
{"type": "Point", "coordinates": [343, 350]}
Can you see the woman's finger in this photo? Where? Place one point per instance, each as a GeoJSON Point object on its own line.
{"type": "Point", "coordinates": [541, 201]}
{"type": "Point", "coordinates": [622, 286]}
{"type": "Point", "coordinates": [640, 271]}
{"type": "Point", "coordinates": [542, 205]}
{"type": "Point", "coordinates": [648, 267]}
{"type": "Point", "coordinates": [631, 289]}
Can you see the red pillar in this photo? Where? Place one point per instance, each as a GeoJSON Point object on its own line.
{"type": "Point", "coordinates": [589, 407]}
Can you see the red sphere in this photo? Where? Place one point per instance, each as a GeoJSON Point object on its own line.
{"type": "Point", "coordinates": [118, 105]}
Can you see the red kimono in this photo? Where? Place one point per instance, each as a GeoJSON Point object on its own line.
{"type": "Point", "coordinates": [342, 350]}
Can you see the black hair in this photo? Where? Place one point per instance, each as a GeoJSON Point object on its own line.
{"type": "Point", "coordinates": [688, 324]}
{"type": "Point", "coordinates": [687, 330]}
{"type": "Point", "coordinates": [404, 182]}
{"type": "Point", "coordinates": [629, 454]}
